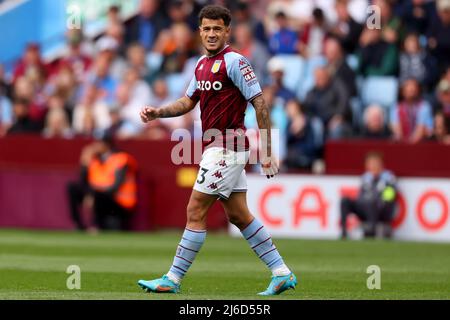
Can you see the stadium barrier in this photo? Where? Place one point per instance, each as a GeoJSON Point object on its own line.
{"type": "Point", "coordinates": [34, 173]}
{"type": "Point", "coordinates": [306, 206]}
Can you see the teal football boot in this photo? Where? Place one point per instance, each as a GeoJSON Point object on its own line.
{"type": "Point", "coordinates": [280, 284]}
{"type": "Point", "coordinates": [161, 285]}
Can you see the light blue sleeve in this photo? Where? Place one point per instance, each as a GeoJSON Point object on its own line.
{"type": "Point", "coordinates": [425, 117]}
{"type": "Point", "coordinates": [191, 89]}
{"type": "Point", "coordinates": [393, 116]}
{"type": "Point", "coordinates": [241, 73]}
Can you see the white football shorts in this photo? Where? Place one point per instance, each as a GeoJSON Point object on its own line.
{"type": "Point", "coordinates": [222, 172]}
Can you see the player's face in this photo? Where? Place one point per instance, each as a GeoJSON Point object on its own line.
{"type": "Point", "coordinates": [214, 34]}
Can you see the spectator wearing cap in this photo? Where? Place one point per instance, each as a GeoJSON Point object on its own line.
{"type": "Point", "coordinates": [276, 66]}
{"type": "Point", "coordinates": [411, 118]}
{"type": "Point", "coordinates": [285, 39]}
{"type": "Point", "coordinates": [439, 35]}
{"type": "Point", "coordinates": [346, 29]}
{"type": "Point", "coordinates": [338, 66]}
{"type": "Point", "coordinates": [375, 126]}
{"type": "Point", "coordinates": [146, 26]}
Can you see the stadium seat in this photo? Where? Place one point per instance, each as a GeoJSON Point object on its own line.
{"type": "Point", "coordinates": [154, 61]}
{"type": "Point", "coordinates": [176, 83]}
{"type": "Point", "coordinates": [352, 61]}
{"type": "Point", "coordinates": [381, 90]}
{"type": "Point", "coordinates": [294, 67]}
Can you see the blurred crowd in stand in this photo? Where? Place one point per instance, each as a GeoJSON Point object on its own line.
{"type": "Point", "coordinates": [330, 69]}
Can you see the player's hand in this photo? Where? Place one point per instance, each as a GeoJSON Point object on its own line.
{"type": "Point", "coordinates": [269, 167]}
{"type": "Point", "coordinates": [148, 114]}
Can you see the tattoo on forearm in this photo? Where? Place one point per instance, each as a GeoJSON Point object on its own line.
{"type": "Point", "coordinates": [175, 109]}
{"type": "Point", "coordinates": [263, 118]}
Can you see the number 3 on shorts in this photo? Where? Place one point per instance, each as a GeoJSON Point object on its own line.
{"type": "Point", "coordinates": [202, 175]}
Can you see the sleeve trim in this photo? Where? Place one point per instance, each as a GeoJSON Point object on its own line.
{"type": "Point", "coordinates": [255, 96]}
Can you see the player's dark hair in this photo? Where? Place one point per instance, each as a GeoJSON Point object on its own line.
{"type": "Point", "coordinates": [215, 12]}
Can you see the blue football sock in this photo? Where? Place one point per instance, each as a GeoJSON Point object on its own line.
{"type": "Point", "coordinates": [189, 246]}
{"type": "Point", "coordinates": [261, 243]}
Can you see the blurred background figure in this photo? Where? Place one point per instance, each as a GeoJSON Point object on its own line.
{"type": "Point", "coordinates": [438, 34]}
{"type": "Point", "coordinates": [313, 35]}
{"type": "Point", "coordinates": [110, 178]}
{"type": "Point", "coordinates": [23, 123]}
{"type": "Point", "coordinates": [304, 137]}
{"type": "Point", "coordinates": [416, 63]}
{"type": "Point", "coordinates": [329, 100]}
{"type": "Point", "coordinates": [338, 66]}
{"type": "Point", "coordinates": [276, 66]}
{"type": "Point", "coordinates": [57, 124]}
{"type": "Point", "coordinates": [145, 27]}
{"type": "Point", "coordinates": [285, 39]}
{"type": "Point", "coordinates": [346, 29]}
{"type": "Point", "coordinates": [376, 199]}
{"type": "Point", "coordinates": [411, 118]}
{"type": "Point", "coordinates": [91, 115]}
{"type": "Point", "coordinates": [375, 126]}
{"type": "Point", "coordinates": [377, 57]}
{"type": "Point", "coordinates": [257, 54]}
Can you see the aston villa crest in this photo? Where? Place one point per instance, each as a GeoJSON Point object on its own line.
{"type": "Point", "coordinates": [216, 66]}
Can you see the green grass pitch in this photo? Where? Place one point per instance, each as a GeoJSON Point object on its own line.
{"type": "Point", "coordinates": [33, 266]}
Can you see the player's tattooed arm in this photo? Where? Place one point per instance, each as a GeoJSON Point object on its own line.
{"type": "Point", "coordinates": [263, 118]}
{"type": "Point", "coordinates": [269, 164]}
{"type": "Point", "coordinates": [175, 109]}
